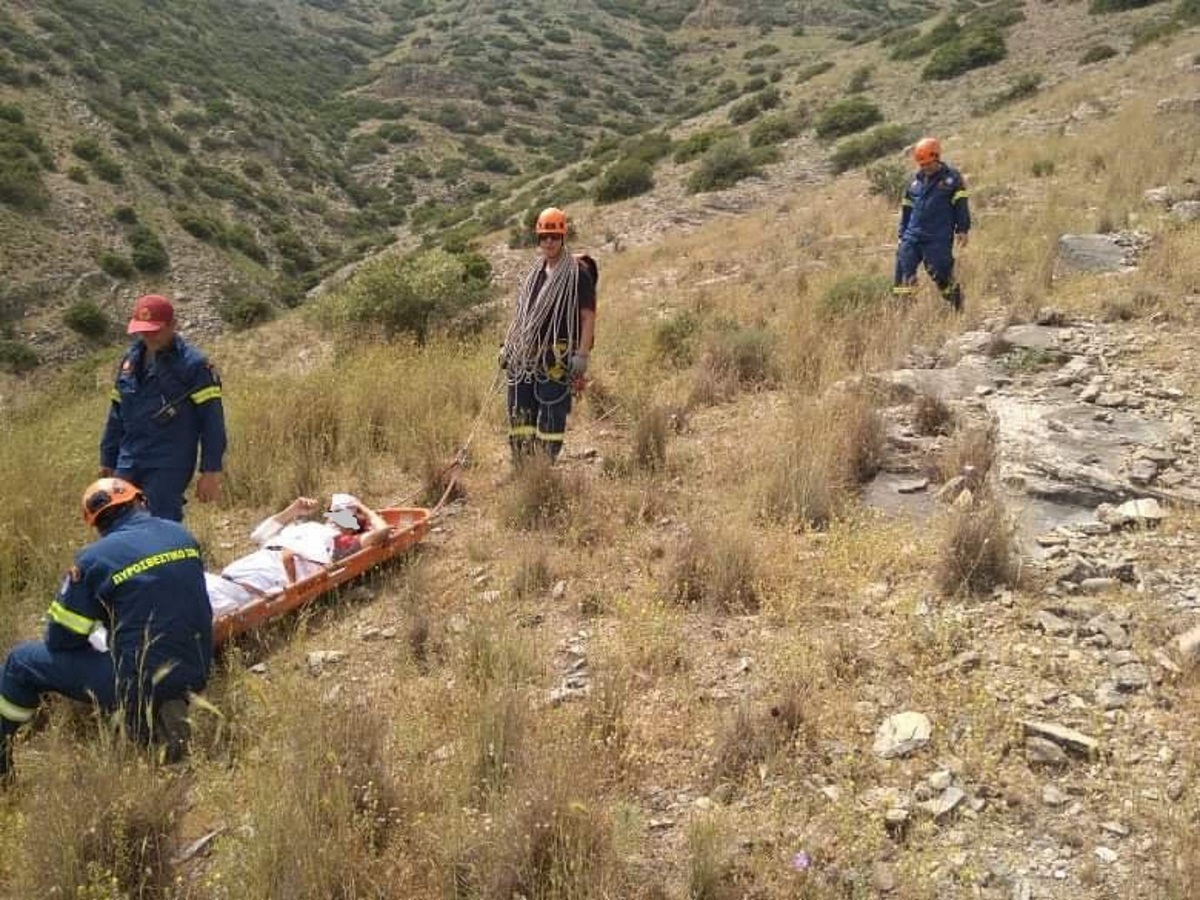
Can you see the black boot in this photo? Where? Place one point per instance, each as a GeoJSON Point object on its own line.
{"type": "Point", "coordinates": [954, 297]}
{"type": "Point", "coordinates": [173, 730]}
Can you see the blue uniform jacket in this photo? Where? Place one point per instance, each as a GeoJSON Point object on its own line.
{"type": "Point", "coordinates": [144, 582]}
{"type": "Point", "coordinates": [935, 206]}
{"type": "Point", "coordinates": [162, 410]}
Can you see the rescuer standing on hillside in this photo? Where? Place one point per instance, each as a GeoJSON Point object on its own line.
{"type": "Point", "coordinates": [933, 215]}
{"type": "Point", "coordinates": [548, 342]}
{"type": "Point", "coordinates": [165, 402]}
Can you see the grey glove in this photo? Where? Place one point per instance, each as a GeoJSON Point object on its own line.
{"type": "Point", "coordinates": [577, 364]}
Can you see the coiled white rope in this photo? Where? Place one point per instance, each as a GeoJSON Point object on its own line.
{"type": "Point", "coordinates": [538, 322]}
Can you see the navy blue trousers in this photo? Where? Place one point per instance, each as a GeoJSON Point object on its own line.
{"type": "Point", "coordinates": [938, 258]}
{"type": "Point", "coordinates": [164, 489]}
{"type": "Point", "coordinates": [537, 416]}
{"type": "Point", "coordinates": [87, 675]}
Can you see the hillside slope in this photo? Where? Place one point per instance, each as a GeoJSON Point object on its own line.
{"type": "Point", "coordinates": [660, 670]}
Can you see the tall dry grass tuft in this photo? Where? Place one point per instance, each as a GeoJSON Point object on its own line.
{"type": "Point", "coordinates": [374, 408]}
{"type": "Point", "coordinates": [104, 823]}
{"type": "Point", "coordinates": [829, 448]}
{"type": "Point", "coordinates": [46, 461]}
{"type": "Point", "coordinates": [977, 552]}
{"type": "Point", "coordinates": [735, 358]}
{"type": "Point", "coordinates": [607, 716]}
{"type": "Point", "coordinates": [532, 577]}
{"type": "Point", "coordinates": [970, 454]}
{"type": "Point", "coordinates": [754, 737]}
{"type": "Point", "coordinates": [931, 416]}
{"type": "Point", "coordinates": [709, 861]}
{"type": "Point", "coordinates": [550, 835]}
{"type": "Point", "coordinates": [650, 439]}
{"type": "Point", "coordinates": [321, 804]}
{"type": "Point", "coordinates": [499, 733]}
{"type": "Point", "coordinates": [541, 495]}
{"type": "Point", "coordinates": [716, 571]}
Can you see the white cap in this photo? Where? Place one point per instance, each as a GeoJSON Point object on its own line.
{"type": "Point", "coordinates": [342, 501]}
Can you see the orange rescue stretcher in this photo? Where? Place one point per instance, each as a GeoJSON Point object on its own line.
{"type": "Point", "coordinates": [409, 527]}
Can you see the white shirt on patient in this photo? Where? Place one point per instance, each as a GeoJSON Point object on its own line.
{"type": "Point", "coordinates": [311, 543]}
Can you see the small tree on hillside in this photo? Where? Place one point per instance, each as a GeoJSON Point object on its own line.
{"type": "Point", "coordinates": [414, 294]}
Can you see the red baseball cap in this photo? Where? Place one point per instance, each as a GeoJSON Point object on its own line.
{"type": "Point", "coordinates": [151, 313]}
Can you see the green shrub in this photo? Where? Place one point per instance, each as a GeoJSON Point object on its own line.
{"type": "Point", "coordinates": [126, 215]}
{"type": "Point", "coordinates": [115, 264]}
{"type": "Point", "coordinates": [108, 169]}
{"type": "Point", "coordinates": [1042, 168]}
{"type": "Point", "coordinates": [1154, 30]}
{"type": "Point", "coordinates": [87, 147]}
{"type": "Point", "coordinates": [774, 130]}
{"type": "Point", "coordinates": [21, 183]}
{"type": "Point", "coordinates": [864, 148]}
{"type": "Point", "coordinates": [17, 357]}
{"type": "Point", "coordinates": [674, 338]}
{"type": "Point", "coordinates": [1024, 86]}
{"type": "Point", "coordinates": [649, 148]}
{"type": "Point", "coordinates": [627, 178]}
{"type": "Point", "coordinates": [1188, 12]}
{"type": "Point", "coordinates": [888, 180]}
{"type": "Point", "coordinates": [860, 80]}
{"type": "Point", "coordinates": [1098, 7]}
{"type": "Point", "coordinates": [242, 238]}
{"type": "Point", "coordinates": [724, 165]}
{"type": "Point", "coordinates": [812, 71]}
{"type": "Point", "coordinates": [86, 318]}
{"type": "Point", "coordinates": [1097, 53]}
{"type": "Point", "coordinates": [745, 353]}
{"type": "Point", "coordinates": [149, 254]}
{"type": "Point", "coordinates": [23, 156]}
{"type": "Point", "coordinates": [243, 310]}
{"type": "Point", "coordinates": [697, 143]}
{"type": "Point", "coordinates": [200, 225]}
{"type": "Point", "coordinates": [78, 174]}
{"type": "Point", "coordinates": [743, 111]}
{"type": "Point", "coordinates": [413, 294]}
{"type": "Point", "coordinates": [973, 49]}
{"type": "Point", "coordinates": [846, 117]}
{"type": "Point", "coordinates": [943, 33]}
{"type": "Point", "coordinates": [854, 294]}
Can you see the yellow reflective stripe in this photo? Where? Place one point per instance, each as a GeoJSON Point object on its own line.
{"type": "Point", "coordinates": [212, 392]}
{"type": "Point", "coordinates": [905, 202]}
{"type": "Point", "coordinates": [903, 289]}
{"type": "Point", "coordinates": [552, 437]}
{"type": "Point", "coordinates": [150, 562]}
{"type": "Point", "coordinates": [522, 431]}
{"type": "Point", "coordinates": [70, 620]}
{"type": "Point", "coordinates": [14, 713]}
{"type": "Point", "coordinates": [114, 395]}
{"type": "Point", "coordinates": [959, 195]}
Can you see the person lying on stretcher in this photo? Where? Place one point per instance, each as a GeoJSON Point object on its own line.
{"type": "Point", "coordinates": [290, 551]}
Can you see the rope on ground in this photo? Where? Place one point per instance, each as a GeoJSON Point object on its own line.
{"type": "Point", "coordinates": [456, 464]}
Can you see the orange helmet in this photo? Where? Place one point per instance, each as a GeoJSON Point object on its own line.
{"type": "Point", "coordinates": [551, 220]}
{"type": "Point", "coordinates": [107, 493]}
{"type": "Point", "coordinates": [927, 150]}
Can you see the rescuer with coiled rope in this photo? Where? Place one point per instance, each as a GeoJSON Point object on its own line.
{"type": "Point", "coordinates": [549, 341]}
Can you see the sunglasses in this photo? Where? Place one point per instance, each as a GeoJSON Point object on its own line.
{"type": "Point", "coordinates": [549, 237]}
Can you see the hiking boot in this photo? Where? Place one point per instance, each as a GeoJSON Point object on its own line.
{"type": "Point", "coordinates": [173, 730]}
